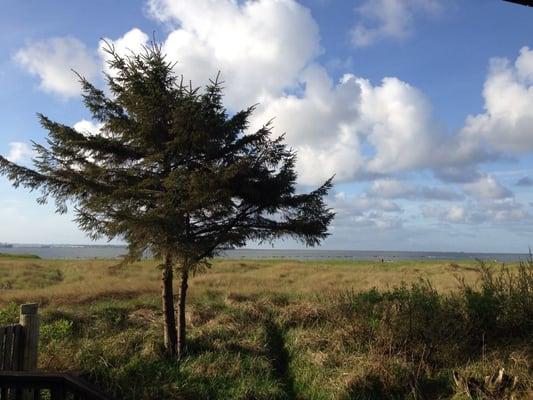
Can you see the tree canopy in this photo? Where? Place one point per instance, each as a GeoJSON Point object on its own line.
{"type": "Point", "coordinates": [170, 170]}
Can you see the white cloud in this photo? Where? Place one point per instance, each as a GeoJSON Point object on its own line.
{"type": "Point", "coordinates": [357, 130]}
{"type": "Point", "coordinates": [456, 214]}
{"type": "Point", "coordinates": [360, 211]}
{"type": "Point", "coordinates": [364, 212]}
{"type": "Point", "coordinates": [486, 188]}
{"type": "Point", "coordinates": [266, 51]}
{"type": "Point", "coordinates": [389, 188]}
{"type": "Point", "coordinates": [354, 129]}
{"type": "Point", "coordinates": [322, 124]}
{"type": "Point", "coordinates": [88, 127]}
{"type": "Point", "coordinates": [508, 93]}
{"type": "Point", "coordinates": [18, 152]}
{"type": "Point", "coordinates": [131, 42]}
{"type": "Point", "coordinates": [384, 19]}
{"type": "Point", "coordinates": [52, 61]}
{"type": "Point", "coordinates": [507, 210]}
{"type": "Point", "coordinates": [259, 46]}
{"type": "Point", "coordinates": [345, 205]}
{"type": "Point", "coordinates": [398, 121]}
{"type": "Point", "coordinates": [501, 212]}
{"type": "Point", "coordinates": [265, 48]}
{"type": "Point", "coordinates": [452, 174]}
{"type": "Point", "coordinates": [394, 189]}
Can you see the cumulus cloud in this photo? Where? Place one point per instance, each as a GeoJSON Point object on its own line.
{"type": "Point", "coordinates": [18, 152]}
{"type": "Point", "coordinates": [350, 128]}
{"type": "Point", "coordinates": [451, 174]}
{"type": "Point", "coordinates": [52, 60]}
{"type": "Point", "coordinates": [267, 53]}
{"type": "Point", "coordinates": [508, 94]}
{"type": "Point", "coordinates": [322, 124]}
{"type": "Point", "coordinates": [88, 127]}
{"type": "Point", "coordinates": [454, 214]}
{"type": "Point", "coordinates": [358, 130]}
{"type": "Point", "coordinates": [131, 42]}
{"type": "Point", "coordinates": [260, 46]}
{"type": "Point", "coordinates": [389, 19]}
{"type": "Point", "coordinates": [394, 189]}
{"type": "Point", "coordinates": [356, 205]}
{"type": "Point", "coordinates": [487, 188]}
{"type": "Point", "coordinates": [489, 203]}
{"type": "Point", "coordinates": [379, 220]}
{"type": "Point", "coordinates": [360, 211]}
{"type": "Point", "coordinates": [398, 121]}
{"type": "Point", "coordinates": [507, 209]}
{"type": "Point", "coordinates": [354, 129]}
{"type": "Point", "coordinates": [501, 212]}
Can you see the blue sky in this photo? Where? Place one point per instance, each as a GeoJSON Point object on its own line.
{"type": "Point", "coordinates": [422, 108]}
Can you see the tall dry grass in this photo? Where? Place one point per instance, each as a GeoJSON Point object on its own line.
{"type": "Point", "coordinates": [283, 329]}
{"type": "Point", "coordinates": [58, 282]}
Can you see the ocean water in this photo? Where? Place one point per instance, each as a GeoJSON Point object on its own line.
{"type": "Point", "coordinates": [98, 251]}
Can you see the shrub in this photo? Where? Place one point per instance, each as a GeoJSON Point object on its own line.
{"type": "Point", "coordinates": [419, 323]}
{"type": "Point", "coordinates": [57, 330]}
{"type": "Point", "coordinates": [503, 306]}
{"type": "Point", "coordinates": [9, 314]}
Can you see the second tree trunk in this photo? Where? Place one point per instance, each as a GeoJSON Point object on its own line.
{"type": "Point", "coordinates": [167, 297]}
{"type": "Point", "coordinates": [181, 312]}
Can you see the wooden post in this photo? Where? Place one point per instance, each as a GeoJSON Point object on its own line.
{"type": "Point", "coordinates": [29, 319]}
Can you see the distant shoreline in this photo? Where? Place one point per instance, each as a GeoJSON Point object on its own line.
{"type": "Point", "coordinates": [115, 251]}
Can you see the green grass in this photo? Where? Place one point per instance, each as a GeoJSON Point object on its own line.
{"type": "Point", "coordinates": [284, 329]}
{"type": "Point", "coordinates": [7, 255]}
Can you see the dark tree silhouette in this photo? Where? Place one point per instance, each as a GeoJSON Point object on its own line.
{"type": "Point", "coordinates": [171, 173]}
{"type": "Point", "coordinates": [523, 2]}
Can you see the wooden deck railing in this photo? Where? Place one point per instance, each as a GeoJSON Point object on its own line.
{"type": "Point", "coordinates": [17, 384]}
{"type": "Point", "coordinates": [11, 347]}
{"type": "Point", "coordinates": [19, 342]}
{"type": "Point", "coordinates": [19, 378]}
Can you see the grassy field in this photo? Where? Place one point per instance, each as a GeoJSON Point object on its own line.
{"type": "Point", "coordinates": [286, 329]}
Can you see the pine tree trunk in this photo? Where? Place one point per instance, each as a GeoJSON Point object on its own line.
{"type": "Point", "coordinates": [182, 340]}
{"type": "Point", "coordinates": [169, 312]}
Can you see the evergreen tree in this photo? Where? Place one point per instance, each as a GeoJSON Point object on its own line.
{"type": "Point", "coordinates": [171, 173]}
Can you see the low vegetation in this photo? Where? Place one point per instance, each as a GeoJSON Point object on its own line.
{"type": "Point", "coordinates": [288, 329]}
{"type": "Point", "coordinates": [8, 255]}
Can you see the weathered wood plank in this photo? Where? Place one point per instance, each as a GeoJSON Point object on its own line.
{"type": "Point", "coordinates": [2, 341]}
{"type": "Point", "coordinates": [18, 349]}
{"type": "Point", "coordinates": [11, 349]}
{"type": "Point", "coordinates": [8, 348]}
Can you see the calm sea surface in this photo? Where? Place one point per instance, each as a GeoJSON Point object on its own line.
{"type": "Point", "coordinates": [88, 252]}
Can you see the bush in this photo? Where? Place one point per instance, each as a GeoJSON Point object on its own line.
{"type": "Point", "coordinates": [419, 323]}
{"type": "Point", "coordinates": [503, 306]}
{"type": "Point", "coordinates": [57, 330]}
{"type": "Point", "coordinates": [9, 314]}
